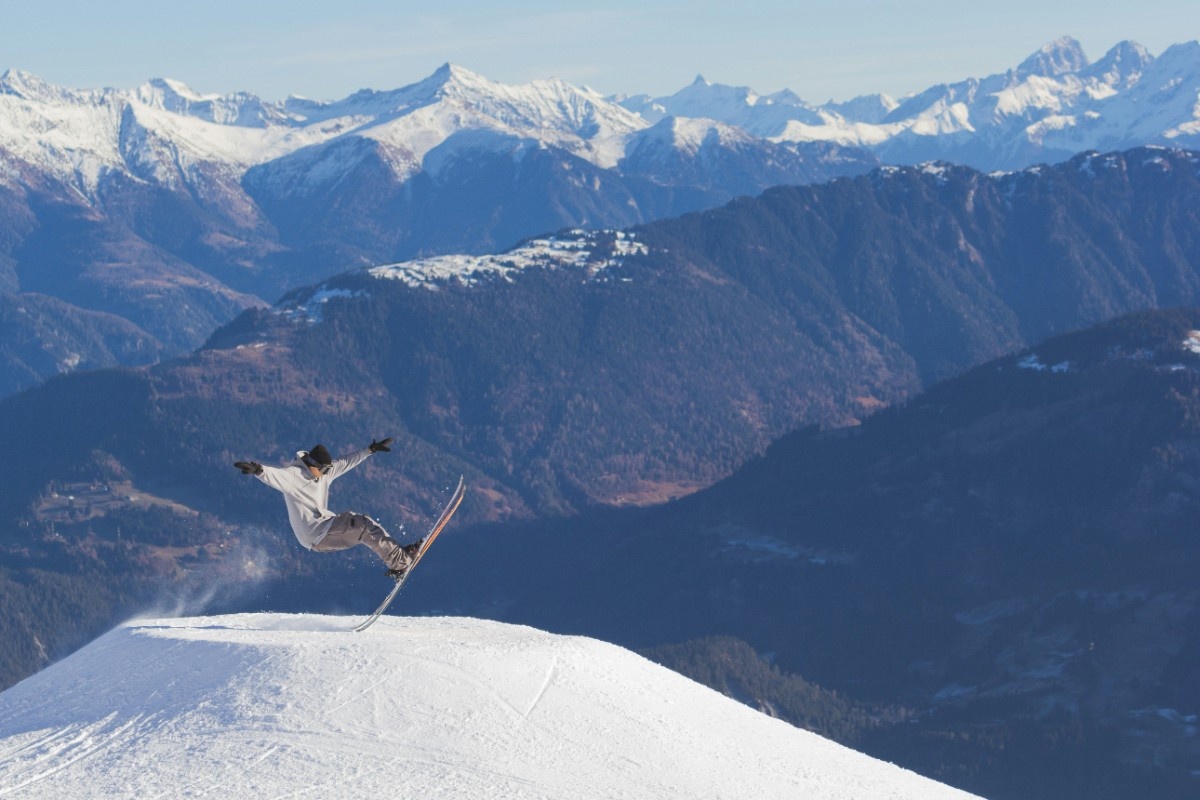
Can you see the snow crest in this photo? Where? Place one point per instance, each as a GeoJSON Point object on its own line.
{"type": "Point", "coordinates": [269, 705]}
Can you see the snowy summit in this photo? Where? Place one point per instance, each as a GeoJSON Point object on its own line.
{"type": "Point", "coordinates": [1054, 104]}
{"type": "Point", "coordinates": [268, 705]}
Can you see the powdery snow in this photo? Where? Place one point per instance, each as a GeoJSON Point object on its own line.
{"type": "Point", "coordinates": [270, 705]}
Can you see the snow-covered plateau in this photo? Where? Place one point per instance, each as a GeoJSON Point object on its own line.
{"type": "Point", "coordinates": [271, 705]}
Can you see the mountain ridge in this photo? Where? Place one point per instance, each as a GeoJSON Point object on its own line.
{"type": "Point", "coordinates": [1051, 106]}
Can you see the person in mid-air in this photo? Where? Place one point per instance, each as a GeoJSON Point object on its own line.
{"type": "Point", "coordinates": [305, 487]}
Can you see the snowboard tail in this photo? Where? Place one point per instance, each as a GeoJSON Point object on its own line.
{"type": "Point", "coordinates": [447, 512]}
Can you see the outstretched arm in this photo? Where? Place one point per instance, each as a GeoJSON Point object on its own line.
{"type": "Point", "coordinates": [348, 462]}
{"type": "Point", "coordinates": [271, 476]}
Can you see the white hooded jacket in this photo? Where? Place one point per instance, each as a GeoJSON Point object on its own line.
{"type": "Point", "coordinates": [306, 497]}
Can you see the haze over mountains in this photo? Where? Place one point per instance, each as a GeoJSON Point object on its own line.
{"type": "Point", "coordinates": [123, 202]}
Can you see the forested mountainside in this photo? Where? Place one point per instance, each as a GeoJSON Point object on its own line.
{"type": "Point", "coordinates": [992, 583]}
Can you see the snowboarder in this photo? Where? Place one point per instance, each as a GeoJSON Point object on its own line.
{"type": "Point", "coordinates": [305, 487]}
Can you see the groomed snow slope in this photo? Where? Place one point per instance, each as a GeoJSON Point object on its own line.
{"type": "Point", "coordinates": [272, 706]}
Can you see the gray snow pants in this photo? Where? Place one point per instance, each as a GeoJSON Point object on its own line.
{"type": "Point", "coordinates": [349, 529]}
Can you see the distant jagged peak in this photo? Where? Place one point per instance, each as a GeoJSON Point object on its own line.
{"type": "Point", "coordinates": [762, 115]}
{"type": "Point", "coordinates": [539, 105]}
{"type": "Point", "coordinates": [870, 108]}
{"type": "Point", "coordinates": [1184, 55]}
{"type": "Point", "coordinates": [28, 86]}
{"type": "Point", "coordinates": [452, 76]}
{"type": "Point", "coordinates": [171, 88]}
{"type": "Point", "coordinates": [1122, 65]}
{"type": "Point", "coordinates": [238, 108]}
{"type": "Point", "coordinates": [1128, 53]}
{"type": "Point", "coordinates": [701, 89]}
{"type": "Point", "coordinates": [1063, 56]}
{"type": "Point", "coordinates": [452, 80]}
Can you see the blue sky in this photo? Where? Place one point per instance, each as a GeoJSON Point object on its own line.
{"type": "Point", "coordinates": [326, 50]}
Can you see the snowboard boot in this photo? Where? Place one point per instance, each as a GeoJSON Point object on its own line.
{"type": "Point", "coordinates": [406, 556]}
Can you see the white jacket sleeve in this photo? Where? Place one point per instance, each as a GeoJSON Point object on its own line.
{"type": "Point", "coordinates": [347, 462]}
{"type": "Point", "coordinates": [274, 477]}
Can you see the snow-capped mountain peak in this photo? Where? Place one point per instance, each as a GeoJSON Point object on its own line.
{"type": "Point", "coordinates": [1060, 57]}
{"type": "Point", "coordinates": [240, 109]}
{"type": "Point", "coordinates": [1122, 66]}
{"type": "Point", "coordinates": [448, 80]}
{"type": "Point", "coordinates": [31, 88]}
{"type": "Point", "coordinates": [1180, 59]}
{"type": "Point", "coordinates": [266, 705]}
{"type": "Point", "coordinates": [870, 108]}
{"type": "Point", "coordinates": [167, 91]}
{"type": "Point", "coordinates": [696, 99]}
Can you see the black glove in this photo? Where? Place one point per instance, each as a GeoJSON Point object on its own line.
{"type": "Point", "coordinates": [249, 467]}
{"type": "Point", "coordinates": [384, 446]}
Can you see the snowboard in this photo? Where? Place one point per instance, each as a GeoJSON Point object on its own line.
{"type": "Point", "coordinates": [447, 512]}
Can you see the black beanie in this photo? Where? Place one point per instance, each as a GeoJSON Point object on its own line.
{"type": "Point", "coordinates": [320, 455]}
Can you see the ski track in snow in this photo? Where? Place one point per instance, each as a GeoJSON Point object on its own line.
{"type": "Point", "coordinates": [291, 706]}
{"type": "Point", "coordinates": [542, 691]}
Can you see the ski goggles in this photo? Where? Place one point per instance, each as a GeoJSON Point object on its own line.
{"type": "Point", "coordinates": [312, 462]}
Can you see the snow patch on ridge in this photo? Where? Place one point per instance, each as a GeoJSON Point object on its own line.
{"type": "Point", "coordinates": [1192, 342]}
{"type": "Point", "coordinates": [1032, 362]}
{"type": "Point", "coordinates": [590, 251]}
{"type": "Point", "coordinates": [311, 309]}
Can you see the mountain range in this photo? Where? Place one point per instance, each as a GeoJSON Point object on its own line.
{"type": "Point", "coordinates": [126, 203]}
{"type": "Point", "coordinates": [1054, 104]}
